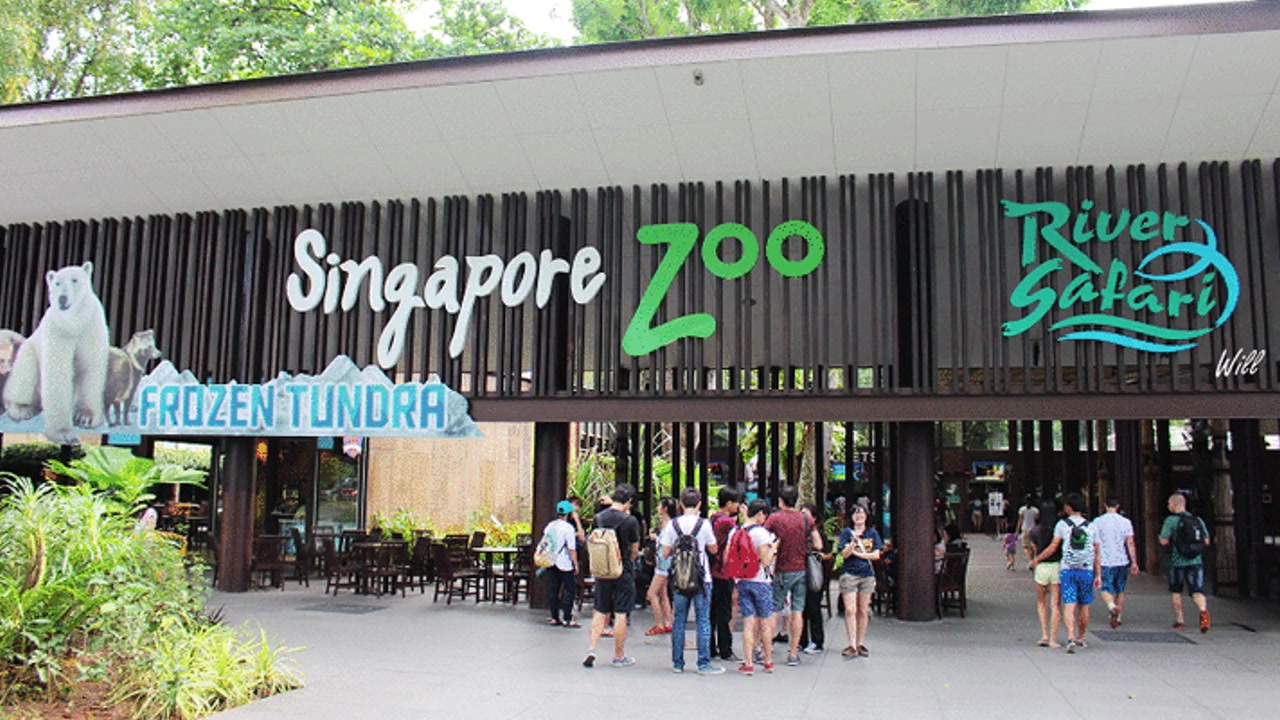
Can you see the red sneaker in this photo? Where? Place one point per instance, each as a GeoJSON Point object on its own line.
{"type": "Point", "coordinates": [746, 669]}
{"type": "Point", "coordinates": [1115, 618]}
{"type": "Point", "coordinates": [1204, 621]}
{"type": "Point", "coordinates": [1179, 626]}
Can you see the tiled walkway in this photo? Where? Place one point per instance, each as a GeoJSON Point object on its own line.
{"type": "Point", "coordinates": [395, 657]}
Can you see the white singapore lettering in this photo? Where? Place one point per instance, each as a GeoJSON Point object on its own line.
{"type": "Point", "coordinates": [339, 286]}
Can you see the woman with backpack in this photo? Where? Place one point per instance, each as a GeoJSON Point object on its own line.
{"type": "Point", "coordinates": [1048, 591]}
{"type": "Point", "coordinates": [658, 596]}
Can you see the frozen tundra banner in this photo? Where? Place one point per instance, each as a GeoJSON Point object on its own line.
{"type": "Point", "coordinates": [66, 379]}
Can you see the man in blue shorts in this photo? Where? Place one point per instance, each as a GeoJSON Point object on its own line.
{"type": "Point", "coordinates": [1081, 569]}
{"type": "Point", "coordinates": [1119, 556]}
{"type": "Point", "coordinates": [1185, 569]}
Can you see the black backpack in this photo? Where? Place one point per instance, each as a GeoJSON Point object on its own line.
{"type": "Point", "coordinates": [686, 562]}
{"type": "Point", "coordinates": [1189, 536]}
{"type": "Point", "coordinates": [1079, 536]}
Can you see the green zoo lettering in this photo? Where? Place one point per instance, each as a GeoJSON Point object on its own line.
{"type": "Point", "coordinates": [642, 338]}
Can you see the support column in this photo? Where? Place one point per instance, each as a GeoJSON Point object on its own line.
{"type": "Point", "coordinates": [550, 478]}
{"type": "Point", "coordinates": [913, 522]}
{"type": "Point", "coordinates": [1247, 448]}
{"type": "Point", "coordinates": [235, 543]}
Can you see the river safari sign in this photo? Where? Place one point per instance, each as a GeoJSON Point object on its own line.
{"type": "Point", "coordinates": [1102, 304]}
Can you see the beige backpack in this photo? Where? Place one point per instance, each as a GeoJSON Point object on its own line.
{"type": "Point", "coordinates": [603, 554]}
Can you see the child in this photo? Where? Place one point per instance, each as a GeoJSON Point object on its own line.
{"type": "Point", "coordinates": [1010, 549]}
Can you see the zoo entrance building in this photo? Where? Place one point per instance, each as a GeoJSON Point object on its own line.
{"type": "Point", "coordinates": [1068, 224]}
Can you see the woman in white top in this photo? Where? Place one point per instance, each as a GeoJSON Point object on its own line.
{"type": "Point", "coordinates": [659, 598]}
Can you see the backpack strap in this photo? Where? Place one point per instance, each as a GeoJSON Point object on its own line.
{"type": "Point", "coordinates": [697, 527]}
{"type": "Point", "coordinates": [676, 526]}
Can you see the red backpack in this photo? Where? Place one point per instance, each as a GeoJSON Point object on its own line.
{"type": "Point", "coordinates": [740, 559]}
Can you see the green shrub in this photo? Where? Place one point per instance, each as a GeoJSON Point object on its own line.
{"type": "Point", "coordinates": [85, 596]}
{"type": "Point", "coordinates": [28, 459]}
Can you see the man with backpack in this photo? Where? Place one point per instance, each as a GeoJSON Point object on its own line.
{"type": "Point", "coordinates": [723, 523]}
{"type": "Point", "coordinates": [686, 540]}
{"type": "Point", "coordinates": [747, 561]}
{"type": "Point", "coordinates": [1081, 572]}
{"type": "Point", "coordinates": [559, 547]}
{"type": "Point", "coordinates": [612, 547]}
{"type": "Point", "coordinates": [1188, 537]}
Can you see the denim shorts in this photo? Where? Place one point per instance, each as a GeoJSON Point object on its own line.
{"type": "Point", "coordinates": [792, 585]}
{"type": "Point", "coordinates": [1077, 586]}
{"type": "Point", "coordinates": [1190, 575]}
{"type": "Point", "coordinates": [755, 599]}
{"type": "Point", "coordinates": [1114, 578]}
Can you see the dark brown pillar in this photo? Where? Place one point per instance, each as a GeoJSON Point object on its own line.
{"type": "Point", "coordinates": [1247, 447]}
{"type": "Point", "coordinates": [236, 540]}
{"type": "Point", "coordinates": [913, 521]}
{"type": "Point", "coordinates": [550, 478]}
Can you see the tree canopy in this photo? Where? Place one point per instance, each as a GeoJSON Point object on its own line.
{"type": "Point", "coordinates": [52, 49]}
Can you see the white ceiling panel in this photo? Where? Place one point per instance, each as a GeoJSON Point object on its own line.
{"type": "Point", "coordinates": [194, 134]}
{"type": "Point", "coordinates": [1142, 68]}
{"type": "Point", "coordinates": [719, 96]}
{"type": "Point", "coordinates": [970, 77]}
{"type": "Point", "coordinates": [259, 129]}
{"type": "Point", "coordinates": [863, 83]}
{"type": "Point", "coordinates": [326, 124]}
{"type": "Point", "coordinates": [875, 142]}
{"type": "Point", "coordinates": [1121, 132]}
{"type": "Point", "coordinates": [1040, 135]}
{"type": "Point", "coordinates": [467, 111]}
{"type": "Point", "coordinates": [493, 164]}
{"type": "Point", "coordinates": [639, 154]}
{"type": "Point", "coordinates": [787, 87]}
{"type": "Point", "coordinates": [1266, 139]}
{"type": "Point", "coordinates": [363, 176]}
{"type": "Point", "coordinates": [422, 158]}
{"type": "Point", "coordinates": [296, 176]}
{"type": "Point", "coordinates": [1225, 65]}
{"type": "Point", "coordinates": [794, 146]}
{"type": "Point", "coordinates": [133, 139]}
{"type": "Point", "coordinates": [234, 182]}
{"type": "Point", "coordinates": [1221, 129]}
{"type": "Point", "coordinates": [720, 150]}
{"type": "Point", "coordinates": [394, 118]}
{"type": "Point", "coordinates": [957, 139]}
{"type": "Point", "coordinates": [1051, 74]}
{"type": "Point", "coordinates": [564, 160]}
{"type": "Point", "coordinates": [542, 105]}
{"type": "Point", "coordinates": [621, 98]}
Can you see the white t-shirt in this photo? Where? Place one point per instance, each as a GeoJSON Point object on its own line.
{"type": "Point", "coordinates": [759, 537]}
{"type": "Point", "coordinates": [705, 537]}
{"type": "Point", "coordinates": [1111, 530]}
{"type": "Point", "coordinates": [1029, 516]}
{"type": "Point", "coordinates": [1072, 558]}
{"type": "Point", "coordinates": [564, 541]}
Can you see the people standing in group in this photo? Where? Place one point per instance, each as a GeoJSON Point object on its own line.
{"type": "Point", "coordinates": [1027, 516]}
{"type": "Point", "coordinates": [1048, 589]}
{"type": "Point", "coordinates": [1186, 536]}
{"type": "Point", "coordinates": [616, 596]}
{"type": "Point", "coordinates": [796, 535]}
{"type": "Point", "coordinates": [1119, 557]}
{"type": "Point", "coordinates": [562, 575]}
{"type": "Point", "coordinates": [755, 594]}
{"type": "Point", "coordinates": [684, 529]}
{"type": "Point", "coordinates": [860, 546]}
{"type": "Point", "coordinates": [722, 523]}
{"type": "Point", "coordinates": [813, 635]}
{"type": "Point", "coordinates": [1081, 571]}
{"type": "Point", "coordinates": [659, 596]}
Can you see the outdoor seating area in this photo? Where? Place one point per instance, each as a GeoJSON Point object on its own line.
{"type": "Point", "coordinates": [373, 563]}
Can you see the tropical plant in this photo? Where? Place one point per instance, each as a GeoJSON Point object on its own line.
{"type": "Point", "coordinates": [29, 458]}
{"type": "Point", "coordinates": [591, 477]}
{"type": "Point", "coordinates": [495, 531]}
{"type": "Point", "coordinates": [404, 522]}
{"type": "Point", "coordinates": [123, 479]}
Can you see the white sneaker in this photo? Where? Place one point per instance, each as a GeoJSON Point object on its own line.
{"type": "Point", "coordinates": [711, 670]}
{"type": "Point", "coordinates": [811, 649]}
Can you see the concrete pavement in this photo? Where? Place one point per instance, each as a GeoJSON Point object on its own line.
{"type": "Point", "coordinates": [394, 657]}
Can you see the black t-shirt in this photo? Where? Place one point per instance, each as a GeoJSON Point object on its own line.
{"type": "Point", "coordinates": [625, 528]}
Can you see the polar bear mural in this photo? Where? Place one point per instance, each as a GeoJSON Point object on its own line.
{"type": "Point", "coordinates": [62, 368]}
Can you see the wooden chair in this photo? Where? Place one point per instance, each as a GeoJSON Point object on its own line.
{"type": "Point", "coordinates": [418, 571]}
{"type": "Point", "coordinates": [951, 582]}
{"type": "Point", "coordinates": [382, 565]}
{"type": "Point", "coordinates": [304, 558]}
{"type": "Point", "coordinates": [340, 571]}
{"type": "Point", "coordinates": [477, 539]}
{"type": "Point", "coordinates": [452, 579]}
{"type": "Point", "coordinates": [268, 559]}
{"type": "Point", "coordinates": [883, 600]}
{"type": "Point", "coordinates": [518, 576]}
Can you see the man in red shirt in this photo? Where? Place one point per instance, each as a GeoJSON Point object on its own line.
{"type": "Point", "coordinates": [721, 587]}
{"type": "Point", "coordinates": [796, 536]}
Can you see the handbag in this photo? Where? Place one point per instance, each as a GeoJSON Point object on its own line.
{"type": "Point", "coordinates": [813, 572]}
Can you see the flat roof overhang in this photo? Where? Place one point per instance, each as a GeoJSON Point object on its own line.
{"type": "Point", "coordinates": [1170, 84]}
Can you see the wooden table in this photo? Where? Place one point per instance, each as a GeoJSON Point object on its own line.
{"type": "Point", "coordinates": [487, 554]}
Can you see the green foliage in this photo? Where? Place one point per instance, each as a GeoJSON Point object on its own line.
{"type": "Point", "coordinates": [84, 596]}
{"type": "Point", "coordinates": [197, 458]}
{"type": "Point", "coordinates": [28, 459]}
{"type": "Point", "coordinates": [591, 478]}
{"type": "Point", "coordinates": [496, 532]}
{"type": "Point", "coordinates": [123, 479]}
{"type": "Point", "coordinates": [404, 522]}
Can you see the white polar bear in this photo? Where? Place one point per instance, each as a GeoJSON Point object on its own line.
{"type": "Point", "coordinates": [62, 367]}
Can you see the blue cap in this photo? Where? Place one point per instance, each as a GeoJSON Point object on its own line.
{"type": "Point", "coordinates": [564, 507]}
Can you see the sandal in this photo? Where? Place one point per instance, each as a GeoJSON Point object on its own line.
{"type": "Point", "coordinates": [553, 622]}
{"type": "Point", "coordinates": [655, 630]}
{"type": "Point", "coordinates": [1044, 642]}
{"type": "Point", "coordinates": [666, 629]}
{"type": "Point", "coordinates": [862, 650]}
{"type": "Point", "coordinates": [573, 624]}
{"type": "Point", "coordinates": [849, 653]}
